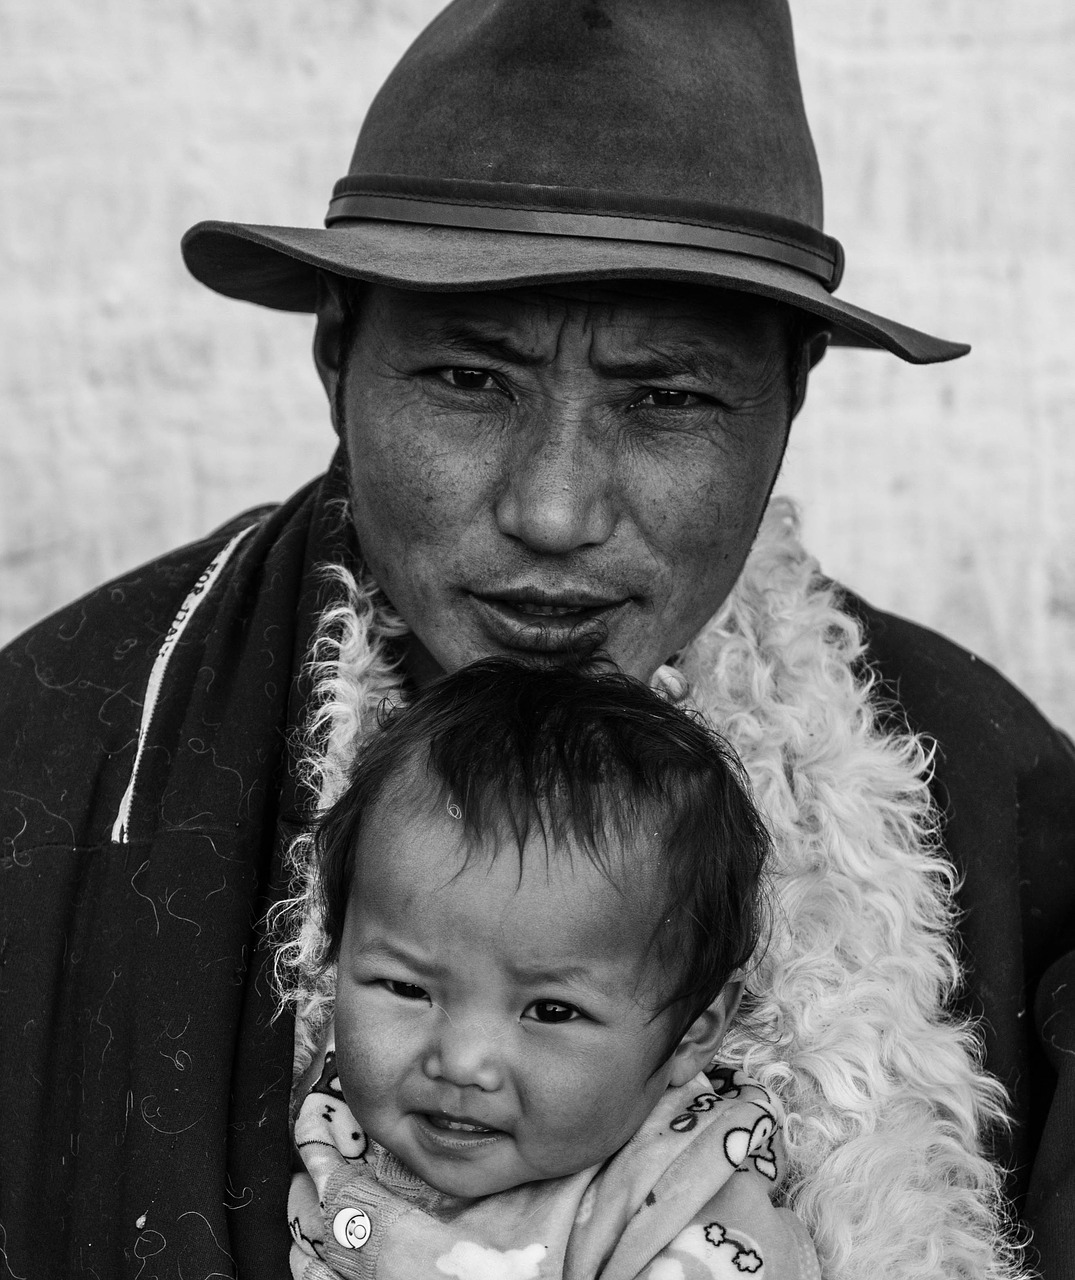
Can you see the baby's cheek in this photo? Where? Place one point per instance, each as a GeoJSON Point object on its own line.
{"type": "Point", "coordinates": [363, 1054]}
{"type": "Point", "coordinates": [580, 1104]}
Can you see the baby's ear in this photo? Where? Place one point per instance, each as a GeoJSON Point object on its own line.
{"type": "Point", "coordinates": [702, 1038]}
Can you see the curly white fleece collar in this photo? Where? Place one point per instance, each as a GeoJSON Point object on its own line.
{"type": "Point", "coordinates": [884, 1093]}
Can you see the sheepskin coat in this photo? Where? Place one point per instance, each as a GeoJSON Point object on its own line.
{"type": "Point", "coordinates": [152, 785]}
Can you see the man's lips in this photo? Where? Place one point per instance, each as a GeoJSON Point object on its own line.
{"type": "Point", "coordinates": [539, 598]}
{"type": "Point", "coordinates": [535, 620]}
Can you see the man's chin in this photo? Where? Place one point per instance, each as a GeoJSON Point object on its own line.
{"type": "Point", "coordinates": [583, 649]}
{"type": "Point", "coordinates": [589, 663]}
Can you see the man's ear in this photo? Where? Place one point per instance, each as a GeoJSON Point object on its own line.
{"type": "Point", "coordinates": [814, 348]}
{"type": "Point", "coordinates": [331, 311]}
{"type": "Point", "coordinates": [702, 1038]}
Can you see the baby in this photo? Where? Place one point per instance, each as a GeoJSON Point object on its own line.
{"type": "Point", "coordinates": [538, 891]}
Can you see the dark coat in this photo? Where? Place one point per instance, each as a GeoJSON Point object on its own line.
{"type": "Point", "coordinates": [145, 1081]}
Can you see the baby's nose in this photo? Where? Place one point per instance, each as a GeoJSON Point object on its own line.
{"type": "Point", "coordinates": [465, 1053]}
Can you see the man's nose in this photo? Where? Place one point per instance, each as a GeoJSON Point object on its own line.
{"type": "Point", "coordinates": [558, 481]}
{"type": "Point", "coordinates": [465, 1053]}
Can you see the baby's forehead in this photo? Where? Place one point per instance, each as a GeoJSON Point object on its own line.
{"type": "Point", "coordinates": [419, 848]}
{"type": "Point", "coordinates": [618, 828]}
{"type": "Point", "coordinates": [535, 908]}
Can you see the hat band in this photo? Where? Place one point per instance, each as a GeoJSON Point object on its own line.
{"type": "Point", "coordinates": [539, 210]}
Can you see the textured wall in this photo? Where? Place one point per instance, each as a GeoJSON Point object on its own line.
{"type": "Point", "coordinates": [946, 131]}
{"type": "Point", "coordinates": [137, 409]}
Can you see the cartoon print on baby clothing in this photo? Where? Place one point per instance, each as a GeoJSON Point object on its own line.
{"type": "Point", "coordinates": [350, 1217]}
{"type": "Point", "coordinates": [728, 1084]}
{"type": "Point", "coordinates": [739, 1250]}
{"type": "Point", "coordinates": [467, 1260]}
{"type": "Point", "coordinates": [757, 1143]}
{"type": "Point", "coordinates": [699, 1104]}
{"type": "Point", "coordinates": [315, 1245]}
{"type": "Point", "coordinates": [708, 1252]}
{"type": "Point", "coordinates": [325, 1133]}
{"type": "Point", "coordinates": [344, 1134]}
{"type": "Point", "coordinates": [726, 1081]}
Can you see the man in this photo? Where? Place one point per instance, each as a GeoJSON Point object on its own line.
{"type": "Point", "coordinates": [567, 301]}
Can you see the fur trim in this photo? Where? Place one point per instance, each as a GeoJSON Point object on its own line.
{"type": "Point", "coordinates": [886, 1097]}
{"type": "Point", "coordinates": [354, 679]}
{"type": "Point", "coordinates": [885, 1093]}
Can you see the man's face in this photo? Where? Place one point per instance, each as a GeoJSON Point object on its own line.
{"type": "Point", "coordinates": [542, 474]}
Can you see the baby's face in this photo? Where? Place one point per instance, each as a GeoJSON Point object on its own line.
{"type": "Point", "coordinates": [496, 1027]}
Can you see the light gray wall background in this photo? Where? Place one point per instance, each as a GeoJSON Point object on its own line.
{"type": "Point", "coordinates": [138, 409]}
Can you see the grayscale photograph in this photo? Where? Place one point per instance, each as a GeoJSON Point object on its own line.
{"type": "Point", "coordinates": [537, 640]}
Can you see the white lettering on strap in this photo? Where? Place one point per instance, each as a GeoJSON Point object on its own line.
{"type": "Point", "coordinates": [197, 593]}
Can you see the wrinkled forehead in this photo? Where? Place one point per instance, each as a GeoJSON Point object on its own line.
{"type": "Point", "coordinates": [616, 318]}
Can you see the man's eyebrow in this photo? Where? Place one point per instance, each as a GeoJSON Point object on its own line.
{"type": "Point", "coordinates": [469, 337]}
{"type": "Point", "coordinates": [686, 359]}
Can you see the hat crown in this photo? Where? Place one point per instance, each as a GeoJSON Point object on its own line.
{"type": "Point", "coordinates": [682, 100]}
{"type": "Point", "coordinates": [527, 141]}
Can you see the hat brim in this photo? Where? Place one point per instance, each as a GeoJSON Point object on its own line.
{"type": "Point", "coordinates": [277, 267]}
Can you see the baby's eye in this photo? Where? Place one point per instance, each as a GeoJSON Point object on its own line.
{"type": "Point", "coordinates": [405, 990]}
{"type": "Point", "coordinates": [552, 1011]}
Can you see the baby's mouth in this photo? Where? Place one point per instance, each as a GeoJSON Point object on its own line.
{"type": "Point", "coordinates": [457, 1124]}
{"type": "Point", "coordinates": [440, 1131]}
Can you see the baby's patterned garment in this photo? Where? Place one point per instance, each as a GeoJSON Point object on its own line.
{"type": "Point", "coordinates": [688, 1198]}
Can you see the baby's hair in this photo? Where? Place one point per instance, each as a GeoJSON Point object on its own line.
{"type": "Point", "coordinates": [598, 759]}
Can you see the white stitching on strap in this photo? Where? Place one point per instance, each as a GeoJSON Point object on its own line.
{"type": "Point", "coordinates": [194, 598]}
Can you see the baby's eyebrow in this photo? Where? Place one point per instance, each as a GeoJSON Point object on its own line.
{"type": "Point", "coordinates": [543, 972]}
{"type": "Point", "coordinates": [386, 949]}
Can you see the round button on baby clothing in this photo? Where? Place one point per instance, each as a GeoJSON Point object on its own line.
{"type": "Point", "coordinates": [352, 1228]}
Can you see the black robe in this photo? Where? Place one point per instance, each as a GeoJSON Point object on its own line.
{"type": "Point", "coordinates": [145, 1079]}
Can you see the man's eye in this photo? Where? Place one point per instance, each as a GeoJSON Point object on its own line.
{"type": "Point", "coordinates": [665, 399]}
{"type": "Point", "coordinates": [552, 1011]}
{"type": "Point", "coordinates": [468, 379]}
{"type": "Point", "coordinates": [405, 990]}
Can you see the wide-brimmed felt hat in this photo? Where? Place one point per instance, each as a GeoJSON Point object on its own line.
{"type": "Point", "coordinates": [522, 142]}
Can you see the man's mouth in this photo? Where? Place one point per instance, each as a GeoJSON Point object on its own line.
{"type": "Point", "coordinates": [537, 610]}
{"type": "Point", "coordinates": [534, 621]}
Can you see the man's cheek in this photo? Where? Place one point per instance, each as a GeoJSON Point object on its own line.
{"type": "Point", "coordinates": [708, 534]}
{"type": "Point", "coordinates": [420, 489]}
